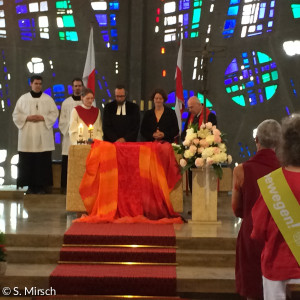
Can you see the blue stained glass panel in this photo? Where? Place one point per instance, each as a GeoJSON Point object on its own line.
{"type": "Point", "coordinates": [48, 92]}
{"type": "Point", "coordinates": [171, 98]}
{"type": "Point", "coordinates": [261, 13]}
{"type": "Point", "coordinates": [24, 23]}
{"type": "Point", "coordinates": [229, 24]}
{"type": "Point", "coordinates": [113, 20]}
{"type": "Point", "coordinates": [184, 4]}
{"type": "Point", "coordinates": [233, 10]}
{"type": "Point", "coordinates": [106, 38]}
{"type": "Point", "coordinates": [232, 2]}
{"type": "Point", "coordinates": [101, 19]}
{"type": "Point", "coordinates": [249, 84]}
{"type": "Point", "coordinates": [245, 74]}
{"type": "Point", "coordinates": [259, 27]}
{"type": "Point", "coordinates": [233, 67]}
{"type": "Point", "coordinates": [271, 13]}
{"type": "Point", "coordinates": [114, 47]}
{"type": "Point", "coordinates": [58, 88]}
{"type": "Point", "coordinates": [186, 19]}
{"type": "Point", "coordinates": [21, 9]}
{"type": "Point", "coordinates": [253, 99]}
{"type": "Point", "coordinates": [185, 115]}
{"type": "Point", "coordinates": [113, 32]}
{"type": "Point", "coordinates": [228, 81]}
{"type": "Point", "coordinates": [57, 138]}
{"type": "Point", "coordinates": [113, 5]}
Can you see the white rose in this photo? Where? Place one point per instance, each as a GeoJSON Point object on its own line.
{"type": "Point", "coordinates": [187, 154]}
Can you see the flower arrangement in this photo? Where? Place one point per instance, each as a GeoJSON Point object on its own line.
{"type": "Point", "coordinates": [2, 247]}
{"type": "Point", "coordinates": [203, 147]}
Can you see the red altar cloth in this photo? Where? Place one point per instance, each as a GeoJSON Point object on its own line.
{"type": "Point", "coordinates": [129, 183]}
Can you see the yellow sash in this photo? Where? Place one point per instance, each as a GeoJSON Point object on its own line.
{"type": "Point", "coordinates": [283, 207]}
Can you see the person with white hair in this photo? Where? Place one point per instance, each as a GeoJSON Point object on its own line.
{"type": "Point", "coordinates": [276, 216]}
{"type": "Point", "coordinates": [244, 195]}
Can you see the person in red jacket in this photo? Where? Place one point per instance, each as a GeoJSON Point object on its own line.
{"type": "Point", "coordinates": [280, 259]}
{"type": "Point", "coordinates": [244, 194]}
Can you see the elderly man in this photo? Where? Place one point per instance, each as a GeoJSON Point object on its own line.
{"type": "Point", "coordinates": [244, 195]}
{"type": "Point", "coordinates": [34, 115]}
{"type": "Point", "coordinates": [121, 119]}
{"type": "Point", "coordinates": [196, 115]}
{"type": "Point", "coordinates": [64, 122]}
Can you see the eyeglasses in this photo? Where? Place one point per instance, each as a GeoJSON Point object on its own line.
{"type": "Point", "coordinates": [120, 96]}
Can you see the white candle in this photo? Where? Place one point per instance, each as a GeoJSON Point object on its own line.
{"type": "Point", "coordinates": [80, 130]}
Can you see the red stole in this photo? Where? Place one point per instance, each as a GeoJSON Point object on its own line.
{"type": "Point", "coordinates": [88, 116]}
{"type": "Point", "coordinates": [200, 117]}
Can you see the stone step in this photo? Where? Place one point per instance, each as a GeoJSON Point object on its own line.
{"type": "Point", "coordinates": [50, 255]}
{"type": "Point", "coordinates": [189, 279]}
{"type": "Point", "coordinates": [205, 258]}
{"type": "Point", "coordinates": [33, 240]}
{"type": "Point", "coordinates": [206, 243]}
{"type": "Point", "coordinates": [32, 255]}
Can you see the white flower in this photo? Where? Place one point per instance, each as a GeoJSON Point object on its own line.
{"type": "Point", "coordinates": [222, 147]}
{"type": "Point", "coordinates": [207, 152]}
{"type": "Point", "coordinates": [182, 162]}
{"type": "Point", "coordinates": [188, 154]}
{"type": "Point", "coordinates": [210, 139]}
{"type": "Point", "coordinates": [186, 142]}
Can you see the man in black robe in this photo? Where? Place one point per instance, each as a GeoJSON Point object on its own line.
{"type": "Point", "coordinates": [121, 119]}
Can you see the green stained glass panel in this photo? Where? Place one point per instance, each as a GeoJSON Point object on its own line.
{"type": "Point", "coordinates": [68, 21]}
{"type": "Point", "coordinates": [270, 91]}
{"type": "Point", "coordinates": [239, 100]}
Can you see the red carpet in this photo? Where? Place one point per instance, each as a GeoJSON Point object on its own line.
{"type": "Point", "coordinates": [120, 234]}
{"type": "Point", "coordinates": [92, 257]}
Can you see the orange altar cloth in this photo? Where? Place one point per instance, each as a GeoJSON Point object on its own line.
{"type": "Point", "coordinates": [129, 182]}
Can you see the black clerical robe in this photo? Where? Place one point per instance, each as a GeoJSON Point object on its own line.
{"type": "Point", "coordinates": [121, 126]}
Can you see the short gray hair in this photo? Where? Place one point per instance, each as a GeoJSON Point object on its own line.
{"type": "Point", "coordinates": [269, 134]}
{"type": "Point", "coordinates": [290, 148]}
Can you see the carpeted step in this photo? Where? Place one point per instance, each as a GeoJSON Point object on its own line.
{"type": "Point", "coordinates": [120, 234]}
{"type": "Point", "coordinates": [145, 255]}
{"type": "Point", "coordinates": [114, 280]}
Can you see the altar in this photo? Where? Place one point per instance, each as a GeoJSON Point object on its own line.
{"type": "Point", "coordinates": [76, 169]}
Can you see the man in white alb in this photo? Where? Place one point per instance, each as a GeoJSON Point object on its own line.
{"type": "Point", "coordinates": [34, 115]}
{"type": "Point", "coordinates": [64, 122]}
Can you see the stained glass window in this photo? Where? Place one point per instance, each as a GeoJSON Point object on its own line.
{"type": "Point", "coordinates": [251, 78]}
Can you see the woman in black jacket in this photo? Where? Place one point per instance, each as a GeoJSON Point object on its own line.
{"type": "Point", "coordinates": [160, 122]}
